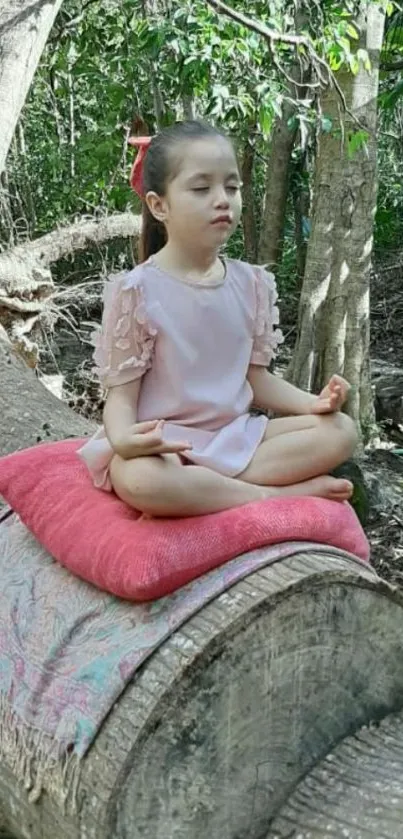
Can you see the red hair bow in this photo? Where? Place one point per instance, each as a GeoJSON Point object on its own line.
{"type": "Point", "coordinates": [136, 175]}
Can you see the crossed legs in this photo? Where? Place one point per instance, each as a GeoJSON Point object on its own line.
{"type": "Point", "coordinates": [294, 458]}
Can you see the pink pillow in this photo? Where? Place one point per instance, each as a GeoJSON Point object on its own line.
{"type": "Point", "coordinates": [102, 540]}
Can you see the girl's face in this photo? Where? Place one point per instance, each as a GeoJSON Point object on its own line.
{"type": "Point", "coordinates": [202, 204]}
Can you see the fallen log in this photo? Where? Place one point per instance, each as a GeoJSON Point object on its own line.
{"type": "Point", "coordinates": [219, 725]}
{"type": "Point", "coordinates": [356, 791]}
{"type": "Point", "coordinates": [26, 286]}
{"type": "Point", "coordinates": [29, 413]}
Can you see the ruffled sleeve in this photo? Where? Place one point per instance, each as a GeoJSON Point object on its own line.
{"type": "Point", "coordinates": [266, 335]}
{"type": "Point", "coordinates": [124, 344]}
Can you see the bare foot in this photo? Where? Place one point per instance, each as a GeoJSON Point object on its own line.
{"type": "Point", "coordinates": [336, 489]}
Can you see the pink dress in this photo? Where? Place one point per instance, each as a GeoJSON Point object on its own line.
{"type": "Point", "coordinates": [192, 345]}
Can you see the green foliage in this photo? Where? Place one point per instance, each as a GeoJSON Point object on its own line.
{"type": "Point", "coordinates": [390, 98]}
{"type": "Point", "coordinates": [389, 213]}
{"type": "Point", "coordinates": [108, 60]}
{"type": "Point", "coordinates": [105, 65]}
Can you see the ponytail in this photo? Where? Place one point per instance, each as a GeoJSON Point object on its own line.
{"type": "Point", "coordinates": [153, 235]}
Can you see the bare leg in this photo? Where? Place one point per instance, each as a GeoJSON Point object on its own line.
{"type": "Point", "coordinates": [297, 448]}
{"type": "Point", "coordinates": [162, 486]}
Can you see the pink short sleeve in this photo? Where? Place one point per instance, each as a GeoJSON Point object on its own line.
{"type": "Point", "coordinates": [266, 337]}
{"type": "Point", "coordinates": [124, 344]}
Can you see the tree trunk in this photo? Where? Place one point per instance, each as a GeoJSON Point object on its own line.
{"type": "Point", "coordinates": [301, 199]}
{"type": "Point", "coordinates": [24, 29]}
{"type": "Point", "coordinates": [219, 725]}
{"type": "Point", "coordinates": [333, 325]}
{"type": "Point", "coordinates": [276, 191]}
{"type": "Point", "coordinates": [248, 217]}
{"type": "Point", "coordinates": [188, 106]}
{"type": "Point", "coordinates": [150, 8]}
{"type": "Point", "coordinates": [278, 164]}
{"type": "Point", "coordinates": [367, 773]}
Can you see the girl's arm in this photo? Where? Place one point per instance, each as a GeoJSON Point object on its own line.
{"type": "Point", "coordinates": [274, 394]}
{"type": "Point", "coordinates": [128, 437]}
{"type": "Point", "coordinates": [120, 411]}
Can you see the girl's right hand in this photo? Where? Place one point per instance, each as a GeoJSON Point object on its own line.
{"type": "Point", "coordinates": [145, 438]}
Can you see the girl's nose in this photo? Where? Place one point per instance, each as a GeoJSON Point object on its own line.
{"type": "Point", "coordinates": [221, 197]}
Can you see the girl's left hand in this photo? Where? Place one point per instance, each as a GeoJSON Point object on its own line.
{"type": "Point", "coordinates": [332, 397]}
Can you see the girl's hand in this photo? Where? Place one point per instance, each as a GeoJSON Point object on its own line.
{"type": "Point", "coordinates": [145, 438]}
{"type": "Point", "coordinates": [332, 397]}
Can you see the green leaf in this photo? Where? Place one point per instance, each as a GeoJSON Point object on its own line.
{"type": "Point", "coordinates": [326, 124]}
{"type": "Point", "coordinates": [345, 45]}
{"type": "Point", "coordinates": [390, 98]}
{"type": "Point", "coordinates": [354, 64]}
{"type": "Point", "coordinates": [277, 105]}
{"type": "Point", "coordinates": [292, 122]}
{"type": "Point", "coordinates": [356, 140]}
{"type": "Point", "coordinates": [265, 120]}
{"type": "Point", "coordinates": [363, 56]}
{"type": "Point", "coordinates": [352, 32]}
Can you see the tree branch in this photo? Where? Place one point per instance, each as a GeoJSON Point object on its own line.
{"type": "Point", "coordinates": [390, 66]}
{"type": "Point", "coordinates": [24, 270]}
{"type": "Point", "coordinates": [271, 35]}
{"type": "Point", "coordinates": [26, 285]}
{"type": "Point", "coordinates": [261, 28]}
{"type": "Point", "coordinates": [81, 235]}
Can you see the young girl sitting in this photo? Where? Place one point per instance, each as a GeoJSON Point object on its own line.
{"type": "Point", "coordinates": [183, 352]}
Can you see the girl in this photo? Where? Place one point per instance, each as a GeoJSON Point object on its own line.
{"type": "Point", "coordinates": [183, 351]}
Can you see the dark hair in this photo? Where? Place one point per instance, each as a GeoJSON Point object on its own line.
{"type": "Point", "coordinates": [160, 167]}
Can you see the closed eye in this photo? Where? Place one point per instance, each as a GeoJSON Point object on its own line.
{"type": "Point", "coordinates": [231, 188]}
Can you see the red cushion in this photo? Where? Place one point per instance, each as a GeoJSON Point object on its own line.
{"type": "Point", "coordinates": [101, 539]}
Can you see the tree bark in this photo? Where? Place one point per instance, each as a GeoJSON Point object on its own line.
{"type": "Point", "coordinates": [278, 164]}
{"type": "Point", "coordinates": [29, 413]}
{"type": "Point", "coordinates": [301, 199]}
{"type": "Point", "coordinates": [276, 190]}
{"type": "Point", "coordinates": [24, 29]}
{"type": "Point", "coordinates": [333, 324]}
{"type": "Point", "coordinates": [248, 217]}
{"type": "Point", "coordinates": [366, 771]}
{"type": "Point", "coordinates": [75, 237]}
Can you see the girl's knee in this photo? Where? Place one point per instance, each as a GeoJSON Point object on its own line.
{"type": "Point", "coordinates": [343, 431]}
{"type": "Point", "coordinates": [141, 481]}
{"type": "Point", "coordinates": [132, 480]}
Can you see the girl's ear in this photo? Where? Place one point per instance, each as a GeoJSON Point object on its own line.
{"type": "Point", "coordinates": [156, 205]}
